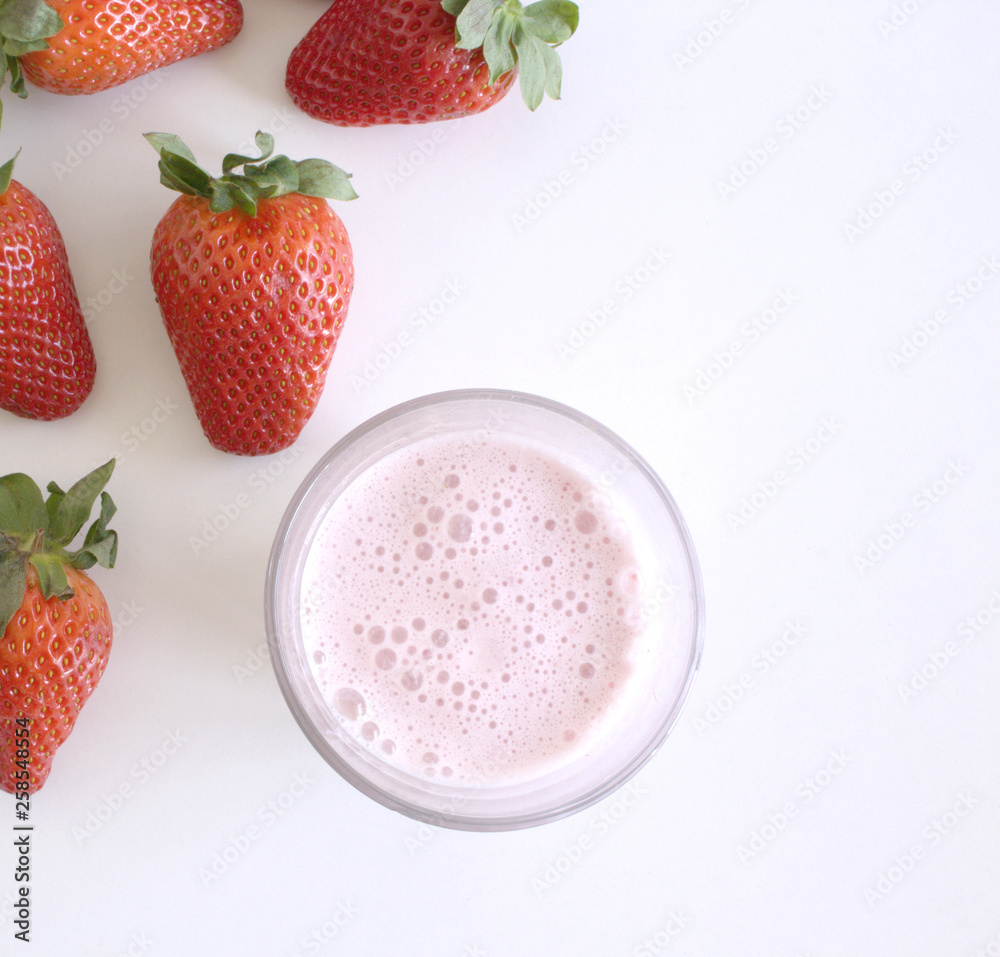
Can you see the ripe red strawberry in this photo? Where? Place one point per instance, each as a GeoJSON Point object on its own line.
{"type": "Point", "coordinates": [84, 46]}
{"type": "Point", "coordinates": [368, 62]}
{"type": "Point", "coordinates": [47, 363]}
{"type": "Point", "coordinates": [253, 273]}
{"type": "Point", "coordinates": [56, 624]}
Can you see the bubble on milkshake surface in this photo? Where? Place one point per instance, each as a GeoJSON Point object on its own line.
{"type": "Point", "coordinates": [388, 746]}
{"type": "Point", "coordinates": [439, 638]}
{"type": "Point", "coordinates": [460, 528]}
{"type": "Point", "coordinates": [451, 481]}
{"type": "Point", "coordinates": [399, 634]}
{"type": "Point", "coordinates": [369, 731]}
{"type": "Point", "coordinates": [489, 595]}
{"type": "Point", "coordinates": [376, 634]}
{"type": "Point", "coordinates": [419, 530]}
{"type": "Point", "coordinates": [587, 670]}
{"type": "Point", "coordinates": [319, 657]}
{"type": "Point", "coordinates": [586, 522]}
{"type": "Point", "coordinates": [412, 680]}
{"type": "Point", "coordinates": [424, 551]}
{"type": "Point", "coordinates": [434, 514]}
{"type": "Point", "coordinates": [350, 703]}
{"type": "Point", "coordinates": [385, 659]}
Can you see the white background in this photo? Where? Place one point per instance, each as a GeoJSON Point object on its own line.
{"type": "Point", "coordinates": [832, 786]}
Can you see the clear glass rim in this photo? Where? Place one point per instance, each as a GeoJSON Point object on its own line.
{"type": "Point", "coordinates": [457, 819]}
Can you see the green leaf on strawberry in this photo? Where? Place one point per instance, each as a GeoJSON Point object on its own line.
{"type": "Point", "coordinates": [22, 511]}
{"type": "Point", "coordinates": [263, 177]}
{"type": "Point", "coordinates": [37, 532]}
{"type": "Point", "coordinates": [25, 26]}
{"type": "Point", "coordinates": [7, 170]}
{"type": "Point", "coordinates": [514, 35]}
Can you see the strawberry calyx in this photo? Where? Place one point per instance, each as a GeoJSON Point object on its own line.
{"type": "Point", "coordinates": [512, 35]}
{"type": "Point", "coordinates": [7, 171]}
{"type": "Point", "coordinates": [25, 26]}
{"type": "Point", "coordinates": [38, 532]}
{"type": "Point", "coordinates": [263, 177]}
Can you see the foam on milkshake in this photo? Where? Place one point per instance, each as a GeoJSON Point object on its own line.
{"type": "Point", "coordinates": [468, 608]}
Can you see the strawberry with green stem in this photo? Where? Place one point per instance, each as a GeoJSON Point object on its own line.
{"type": "Point", "coordinates": [47, 363]}
{"type": "Point", "coordinates": [85, 46]}
{"type": "Point", "coordinates": [55, 623]}
{"type": "Point", "coordinates": [253, 273]}
{"type": "Point", "coordinates": [368, 62]}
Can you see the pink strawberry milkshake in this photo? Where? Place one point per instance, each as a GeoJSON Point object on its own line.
{"type": "Point", "coordinates": [469, 609]}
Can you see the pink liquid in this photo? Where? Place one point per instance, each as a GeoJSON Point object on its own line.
{"type": "Point", "coordinates": [466, 609]}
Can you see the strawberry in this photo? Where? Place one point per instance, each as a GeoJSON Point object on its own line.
{"type": "Point", "coordinates": [368, 62]}
{"type": "Point", "coordinates": [84, 46]}
{"type": "Point", "coordinates": [253, 273]}
{"type": "Point", "coordinates": [56, 624]}
{"type": "Point", "coordinates": [47, 363]}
